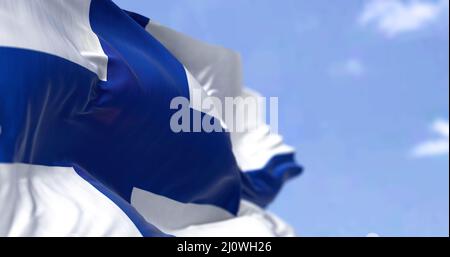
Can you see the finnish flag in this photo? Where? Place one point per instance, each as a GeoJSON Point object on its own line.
{"type": "Point", "coordinates": [86, 144]}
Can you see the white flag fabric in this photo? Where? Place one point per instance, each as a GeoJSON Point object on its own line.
{"type": "Point", "coordinates": [86, 144]}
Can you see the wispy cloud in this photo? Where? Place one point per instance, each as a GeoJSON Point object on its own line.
{"type": "Point", "coordinates": [392, 17]}
{"type": "Point", "coordinates": [352, 67]}
{"type": "Point", "coordinates": [435, 147]}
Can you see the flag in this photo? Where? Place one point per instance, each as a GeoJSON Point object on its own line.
{"type": "Point", "coordinates": [86, 143]}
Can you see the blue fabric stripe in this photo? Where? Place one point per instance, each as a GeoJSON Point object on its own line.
{"type": "Point", "coordinates": [42, 99]}
{"type": "Point", "coordinates": [187, 167]}
{"type": "Point", "coordinates": [262, 186]}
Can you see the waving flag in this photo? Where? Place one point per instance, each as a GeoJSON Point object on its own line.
{"type": "Point", "coordinates": [86, 147]}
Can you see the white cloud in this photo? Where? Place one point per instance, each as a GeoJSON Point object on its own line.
{"type": "Point", "coordinates": [435, 147]}
{"type": "Point", "coordinates": [392, 17]}
{"type": "Point", "coordinates": [352, 67]}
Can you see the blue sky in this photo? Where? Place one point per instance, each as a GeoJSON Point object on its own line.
{"type": "Point", "coordinates": [364, 98]}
